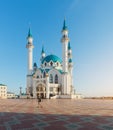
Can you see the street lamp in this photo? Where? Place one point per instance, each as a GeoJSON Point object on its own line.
{"type": "Point", "coordinates": [20, 91]}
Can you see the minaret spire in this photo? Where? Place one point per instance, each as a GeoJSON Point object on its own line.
{"type": "Point", "coordinates": [42, 50]}
{"type": "Point", "coordinates": [42, 53]}
{"type": "Point", "coordinates": [64, 25]}
{"type": "Point", "coordinates": [29, 33]}
{"type": "Point", "coordinates": [30, 47]}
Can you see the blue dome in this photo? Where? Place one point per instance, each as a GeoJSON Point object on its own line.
{"type": "Point", "coordinates": [51, 58]}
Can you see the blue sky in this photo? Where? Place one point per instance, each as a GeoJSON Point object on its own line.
{"type": "Point", "coordinates": [90, 24]}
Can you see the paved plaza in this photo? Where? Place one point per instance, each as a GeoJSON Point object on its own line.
{"type": "Point", "coordinates": [56, 114]}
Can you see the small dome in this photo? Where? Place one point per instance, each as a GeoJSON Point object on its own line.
{"type": "Point", "coordinates": [35, 65]}
{"type": "Point", "coordinates": [70, 60]}
{"type": "Point", "coordinates": [53, 58]}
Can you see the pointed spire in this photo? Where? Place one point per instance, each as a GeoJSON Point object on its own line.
{"type": "Point", "coordinates": [29, 33]}
{"type": "Point", "coordinates": [42, 53]}
{"type": "Point", "coordinates": [42, 50]}
{"type": "Point", "coordinates": [64, 25]}
{"type": "Point", "coordinates": [69, 46]}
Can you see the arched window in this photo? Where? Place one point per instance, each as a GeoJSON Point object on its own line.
{"type": "Point", "coordinates": [45, 64]}
{"type": "Point", "coordinates": [57, 63]}
{"type": "Point", "coordinates": [37, 89]}
{"type": "Point", "coordinates": [51, 78]}
{"type": "Point", "coordinates": [44, 74]}
{"type": "Point", "coordinates": [56, 79]}
{"type": "Point", "coordinates": [51, 63]}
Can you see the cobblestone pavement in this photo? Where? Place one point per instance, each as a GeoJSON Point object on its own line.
{"type": "Point", "coordinates": [56, 114]}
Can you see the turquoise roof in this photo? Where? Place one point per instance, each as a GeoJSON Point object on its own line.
{"type": "Point", "coordinates": [70, 60]}
{"type": "Point", "coordinates": [23, 94]}
{"type": "Point", "coordinates": [35, 65]}
{"type": "Point", "coordinates": [46, 70]}
{"type": "Point", "coordinates": [69, 46]}
{"type": "Point", "coordinates": [53, 58]}
{"type": "Point", "coordinates": [64, 25]}
{"type": "Point", "coordinates": [61, 71]}
{"type": "Point", "coordinates": [2, 85]}
{"type": "Point", "coordinates": [29, 33]}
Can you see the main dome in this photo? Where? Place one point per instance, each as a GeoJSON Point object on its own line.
{"type": "Point", "coordinates": [53, 58]}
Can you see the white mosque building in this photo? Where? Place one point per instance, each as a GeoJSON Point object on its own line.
{"type": "Point", "coordinates": [54, 77]}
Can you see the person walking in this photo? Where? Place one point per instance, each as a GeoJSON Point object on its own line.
{"type": "Point", "coordinates": [39, 101]}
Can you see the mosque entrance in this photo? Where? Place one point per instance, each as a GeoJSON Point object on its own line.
{"type": "Point", "coordinates": [41, 91]}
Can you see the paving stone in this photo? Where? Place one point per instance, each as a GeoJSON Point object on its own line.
{"type": "Point", "coordinates": [58, 114]}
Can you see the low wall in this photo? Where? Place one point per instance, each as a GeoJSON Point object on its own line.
{"type": "Point", "coordinates": [76, 96]}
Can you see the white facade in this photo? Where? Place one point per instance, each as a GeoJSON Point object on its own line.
{"type": "Point", "coordinates": [3, 91]}
{"type": "Point", "coordinates": [54, 76]}
{"type": "Point", "coordinates": [10, 95]}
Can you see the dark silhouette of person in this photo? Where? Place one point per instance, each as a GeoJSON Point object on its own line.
{"type": "Point", "coordinates": [39, 101]}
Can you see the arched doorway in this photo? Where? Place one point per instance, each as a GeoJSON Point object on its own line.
{"type": "Point", "coordinates": [41, 91]}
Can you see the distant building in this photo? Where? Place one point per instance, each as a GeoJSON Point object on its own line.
{"type": "Point", "coordinates": [23, 95]}
{"type": "Point", "coordinates": [10, 95]}
{"type": "Point", "coordinates": [3, 91]}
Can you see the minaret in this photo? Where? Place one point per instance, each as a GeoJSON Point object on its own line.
{"type": "Point", "coordinates": [65, 40]}
{"type": "Point", "coordinates": [30, 47]}
{"type": "Point", "coordinates": [65, 79]}
{"type": "Point", "coordinates": [42, 53]}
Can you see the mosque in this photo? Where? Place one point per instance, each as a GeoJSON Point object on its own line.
{"type": "Point", "coordinates": [54, 77]}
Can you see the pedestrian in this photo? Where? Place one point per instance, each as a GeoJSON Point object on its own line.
{"type": "Point", "coordinates": [39, 102]}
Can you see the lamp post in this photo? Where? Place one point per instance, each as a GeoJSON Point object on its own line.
{"type": "Point", "coordinates": [20, 91]}
{"type": "Point", "coordinates": [26, 90]}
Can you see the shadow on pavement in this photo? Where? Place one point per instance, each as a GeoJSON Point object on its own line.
{"type": "Point", "coordinates": [29, 121]}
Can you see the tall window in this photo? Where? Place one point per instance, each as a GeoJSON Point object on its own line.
{"type": "Point", "coordinates": [51, 63]}
{"type": "Point", "coordinates": [56, 78]}
{"type": "Point", "coordinates": [44, 74]}
{"type": "Point", "coordinates": [45, 64]}
{"type": "Point", "coordinates": [51, 78]}
{"type": "Point", "coordinates": [57, 63]}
